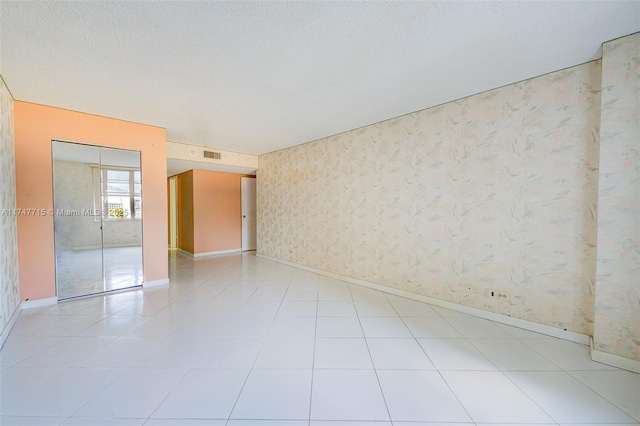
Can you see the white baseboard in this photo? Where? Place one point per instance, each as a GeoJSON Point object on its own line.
{"type": "Point", "coordinates": [155, 283]}
{"type": "Point", "coordinates": [503, 319]}
{"type": "Point", "coordinates": [614, 360]}
{"type": "Point", "coordinates": [7, 328]}
{"type": "Point", "coordinates": [39, 303]}
{"type": "Point", "coordinates": [213, 253]}
{"type": "Point", "coordinates": [209, 253]}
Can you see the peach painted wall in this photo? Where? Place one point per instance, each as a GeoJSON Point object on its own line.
{"type": "Point", "coordinates": [185, 211]}
{"type": "Point", "coordinates": [216, 211]}
{"type": "Point", "coordinates": [35, 127]}
{"type": "Point", "coordinates": [209, 207]}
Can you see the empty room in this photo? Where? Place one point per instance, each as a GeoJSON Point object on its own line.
{"type": "Point", "coordinates": [319, 213]}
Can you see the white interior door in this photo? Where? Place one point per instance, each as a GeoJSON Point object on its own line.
{"type": "Point", "coordinates": [248, 202]}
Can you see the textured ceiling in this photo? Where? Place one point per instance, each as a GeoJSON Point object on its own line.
{"type": "Point", "coordinates": [255, 77]}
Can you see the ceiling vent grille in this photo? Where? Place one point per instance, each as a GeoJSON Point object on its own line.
{"type": "Point", "coordinates": [211, 154]}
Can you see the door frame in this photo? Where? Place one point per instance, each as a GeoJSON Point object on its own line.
{"type": "Point", "coordinates": [98, 206]}
{"type": "Point", "coordinates": [173, 213]}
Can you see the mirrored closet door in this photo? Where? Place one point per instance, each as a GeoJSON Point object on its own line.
{"type": "Point", "coordinates": [97, 200]}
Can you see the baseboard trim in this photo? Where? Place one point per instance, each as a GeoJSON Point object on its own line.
{"type": "Point", "coordinates": [155, 283]}
{"type": "Point", "coordinates": [503, 319]}
{"type": "Point", "coordinates": [213, 253]}
{"type": "Point", "coordinates": [39, 303]}
{"type": "Point", "coordinates": [209, 253]}
{"type": "Point", "coordinates": [9, 326]}
{"type": "Point", "coordinates": [614, 360]}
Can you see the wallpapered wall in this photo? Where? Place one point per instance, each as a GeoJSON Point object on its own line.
{"type": "Point", "coordinates": [617, 327]}
{"type": "Point", "coordinates": [497, 191]}
{"type": "Point", "coordinates": [9, 293]}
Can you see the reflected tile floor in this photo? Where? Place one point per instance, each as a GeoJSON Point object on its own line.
{"type": "Point", "coordinates": [239, 340]}
{"type": "Point", "coordinates": [80, 272]}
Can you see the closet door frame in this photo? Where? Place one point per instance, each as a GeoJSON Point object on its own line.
{"type": "Point", "coordinates": [98, 211]}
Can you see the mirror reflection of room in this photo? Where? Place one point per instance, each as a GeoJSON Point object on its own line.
{"type": "Point", "coordinates": [98, 219]}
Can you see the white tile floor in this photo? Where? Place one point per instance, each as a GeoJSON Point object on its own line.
{"type": "Point", "coordinates": [238, 340]}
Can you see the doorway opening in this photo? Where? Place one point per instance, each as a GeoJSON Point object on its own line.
{"type": "Point", "coordinates": [173, 213]}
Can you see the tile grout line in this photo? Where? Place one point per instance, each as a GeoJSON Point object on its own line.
{"type": "Point", "coordinates": [189, 369]}
{"type": "Point", "coordinates": [264, 340]}
{"type": "Point", "coordinates": [366, 342]}
{"type": "Point", "coordinates": [502, 372]}
{"type": "Point", "coordinates": [530, 397]}
{"type": "Point", "coordinates": [429, 358]}
{"type": "Point", "coordinates": [313, 359]}
{"type": "Point", "coordinates": [637, 419]}
{"type": "Point", "coordinates": [148, 419]}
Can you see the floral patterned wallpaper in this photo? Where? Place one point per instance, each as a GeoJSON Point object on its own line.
{"type": "Point", "coordinates": [617, 329]}
{"type": "Point", "coordinates": [9, 291]}
{"type": "Point", "coordinates": [494, 192]}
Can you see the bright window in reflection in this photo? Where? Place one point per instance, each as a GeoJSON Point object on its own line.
{"type": "Point", "coordinates": [122, 192]}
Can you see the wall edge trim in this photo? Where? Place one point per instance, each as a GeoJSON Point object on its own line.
{"type": "Point", "coordinates": [503, 319]}
{"type": "Point", "coordinates": [155, 283]}
{"type": "Point", "coordinates": [208, 253]}
{"type": "Point", "coordinates": [38, 303]}
{"type": "Point", "coordinates": [614, 360]}
{"type": "Point", "coordinates": [9, 326]}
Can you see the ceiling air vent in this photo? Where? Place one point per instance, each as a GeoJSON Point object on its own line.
{"type": "Point", "coordinates": [211, 154]}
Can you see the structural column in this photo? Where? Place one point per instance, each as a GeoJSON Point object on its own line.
{"type": "Point", "coordinates": [617, 307]}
